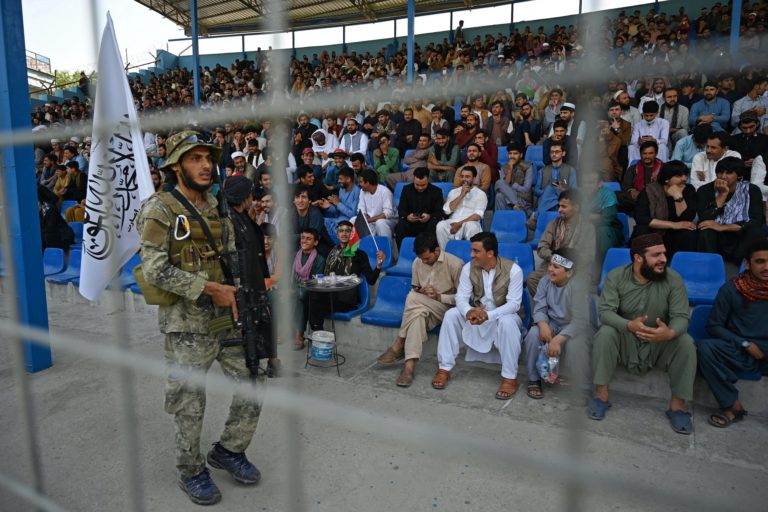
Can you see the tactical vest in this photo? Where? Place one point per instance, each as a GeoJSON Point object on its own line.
{"type": "Point", "coordinates": [499, 286]}
{"type": "Point", "coordinates": [194, 253]}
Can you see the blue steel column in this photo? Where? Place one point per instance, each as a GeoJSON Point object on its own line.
{"type": "Point", "coordinates": [195, 52]}
{"type": "Point", "coordinates": [735, 26]}
{"type": "Point", "coordinates": [409, 44]}
{"type": "Point", "coordinates": [21, 190]}
{"type": "Point", "coordinates": [344, 39]}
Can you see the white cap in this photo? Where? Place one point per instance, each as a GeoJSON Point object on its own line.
{"type": "Point", "coordinates": [55, 141]}
{"type": "Point", "coordinates": [569, 106]}
{"type": "Point", "coordinates": [75, 139]}
{"type": "Point", "coordinates": [237, 154]}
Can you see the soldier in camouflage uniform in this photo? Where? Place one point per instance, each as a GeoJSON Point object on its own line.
{"type": "Point", "coordinates": [178, 262]}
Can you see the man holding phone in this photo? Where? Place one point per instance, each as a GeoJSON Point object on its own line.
{"type": "Point", "coordinates": [420, 207]}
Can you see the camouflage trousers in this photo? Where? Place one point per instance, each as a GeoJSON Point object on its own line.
{"type": "Point", "coordinates": [187, 402]}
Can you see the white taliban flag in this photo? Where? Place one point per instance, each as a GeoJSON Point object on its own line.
{"type": "Point", "coordinates": [118, 175]}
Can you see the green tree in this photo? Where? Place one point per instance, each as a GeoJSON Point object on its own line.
{"type": "Point", "coordinates": [66, 77]}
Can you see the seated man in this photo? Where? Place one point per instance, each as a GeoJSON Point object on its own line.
{"type": "Point", "coordinates": [644, 312]}
{"type": "Point", "coordinates": [416, 160]}
{"type": "Point", "coordinates": [691, 145]}
{"type": "Point", "coordinates": [308, 216]}
{"type": "Point", "coordinates": [730, 210]}
{"type": "Point", "coordinates": [638, 176]}
{"type": "Point", "coordinates": [336, 163]}
{"type": "Point", "coordinates": [306, 178]}
{"type": "Point", "coordinates": [739, 340]}
{"type": "Point", "coordinates": [553, 325]}
{"type": "Point", "coordinates": [704, 163]}
{"type": "Point", "coordinates": [443, 158]}
{"type": "Point", "coordinates": [489, 295]}
{"type": "Point", "coordinates": [420, 208]}
{"type": "Point", "coordinates": [386, 159]}
{"type": "Point", "coordinates": [343, 206]}
{"type": "Point", "coordinates": [306, 263]}
{"type": "Point", "coordinates": [343, 260]}
{"type": "Point", "coordinates": [435, 278]}
{"type": "Point", "coordinates": [514, 191]}
{"type": "Point", "coordinates": [483, 175]}
{"type": "Point", "coordinates": [652, 128]}
{"type": "Point", "coordinates": [465, 207]}
{"type": "Point", "coordinates": [570, 230]}
{"type": "Point", "coordinates": [376, 204]}
{"type": "Point", "coordinates": [553, 179]}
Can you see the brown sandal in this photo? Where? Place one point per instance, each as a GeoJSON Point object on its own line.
{"type": "Point", "coordinates": [389, 356]}
{"type": "Point", "coordinates": [405, 379]}
{"type": "Point", "coordinates": [441, 378]}
{"type": "Point", "coordinates": [507, 389]}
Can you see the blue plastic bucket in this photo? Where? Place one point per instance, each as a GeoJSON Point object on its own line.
{"type": "Point", "coordinates": [322, 345]}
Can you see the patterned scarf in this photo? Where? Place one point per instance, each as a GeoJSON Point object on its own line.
{"type": "Point", "coordinates": [737, 208]}
{"type": "Point", "coordinates": [752, 289]}
{"type": "Point", "coordinates": [302, 271]}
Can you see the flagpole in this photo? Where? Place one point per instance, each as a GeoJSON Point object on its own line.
{"type": "Point", "coordinates": [373, 236]}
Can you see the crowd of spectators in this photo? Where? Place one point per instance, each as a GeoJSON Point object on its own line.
{"type": "Point", "coordinates": [681, 133]}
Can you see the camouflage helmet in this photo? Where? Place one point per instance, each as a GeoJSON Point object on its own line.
{"type": "Point", "coordinates": [181, 142]}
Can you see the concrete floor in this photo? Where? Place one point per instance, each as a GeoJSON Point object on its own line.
{"type": "Point", "coordinates": [345, 469]}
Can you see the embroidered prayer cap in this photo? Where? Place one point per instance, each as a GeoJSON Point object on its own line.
{"type": "Point", "coordinates": [179, 143]}
{"type": "Point", "coordinates": [642, 242]}
{"type": "Point", "coordinates": [568, 106]}
{"type": "Point", "coordinates": [237, 154]}
{"type": "Point", "coordinates": [237, 189]}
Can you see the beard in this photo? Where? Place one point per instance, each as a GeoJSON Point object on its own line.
{"type": "Point", "coordinates": [650, 274]}
{"type": "Point", "coordinates": [189, 183]}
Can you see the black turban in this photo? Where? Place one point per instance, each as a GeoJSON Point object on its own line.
{"type": "Point", "coordinates": [237, 189]}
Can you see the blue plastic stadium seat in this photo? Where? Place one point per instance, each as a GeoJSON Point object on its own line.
{"type": "Point", "coordinates": [404, 166]}
{"type": "Point", "coordinates": [624, 219]}
{"type": "Point", "coordinates": [135, 289]}
{"type": "Point", "coordinates": [697, 328]}
{"type": "Point", "coordinates": [503, 156]}
{"type": "Point", "coordinates": [71, 272]}
{"type": "Point", "coordinates": [53, 261]}
{"type": "Point", "coordinates": [613, 186]}
{"type": "Point", "coordinates": [445, 187]}
{"type": "Point", "coordinates": [390, 299]}
{"type": "Point", "coordinates": [703, 275]}
{"type": "Point", "coordinates": [365, 302]}
{"type": "Point", "coordinates": [535, 153]}
{"type": "Point", "coordinates": [509, 226]}
{"type": "Point", "coordinates": [528, 318]}
{"type": "Point", "coordinates": [520, 252]}
{"type": "Point", "coordinates": [126, 274]}
{"type": "Point", "coordinates": [385, 245]}
{"type": "Point", "coordinates": [77, 227]}
{"type": "Point", "coordinates": [615, 257]}
{"type": "Point", "coordinates": [65, 205]}
{"type": "Point", "coordinates": [405, 259]}
{"type": "Point", "coordinates": [542, 221]}
{"type": "Point", "coordinates": [459, 248]}
{"type": "Point", "coordinates": [398, 192]}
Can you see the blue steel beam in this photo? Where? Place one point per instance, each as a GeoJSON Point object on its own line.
{"type": "Point", "coordinates": [735, 27]}
{"type": "Point", "coordinates": [21, 189]}
{"type": "Point", "coordinates": [409, 43]}
{"type": "Point", "coordinates": [195, 53]}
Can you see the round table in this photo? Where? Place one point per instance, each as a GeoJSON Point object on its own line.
{"type": "Point", "coordinates": [327, 287]}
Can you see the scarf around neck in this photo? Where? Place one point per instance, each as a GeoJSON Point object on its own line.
{"type": "Point", "coordinates": [302, 271]}
{"type": "Point", "coordinates": [752, 289]}
{"type": "Point", "coordinates": [736, 209]}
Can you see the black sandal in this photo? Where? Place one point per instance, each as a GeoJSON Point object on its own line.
{"type": "Point", "coordinates": [725, 420]}
{"type": "Point", "coordinates": [534, 385]}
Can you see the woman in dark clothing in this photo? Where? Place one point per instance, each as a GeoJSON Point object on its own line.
{"type": "Point", "coordinates": [54, 229]}
{"type": "Point", "coordinates": [668, 207]}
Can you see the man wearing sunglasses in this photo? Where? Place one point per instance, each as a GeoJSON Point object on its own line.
{"type": "Point", "coordinates": [187, 280]}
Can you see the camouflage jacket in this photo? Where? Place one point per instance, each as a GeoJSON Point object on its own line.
{"type": "Point", "coordinates": [193, 312]}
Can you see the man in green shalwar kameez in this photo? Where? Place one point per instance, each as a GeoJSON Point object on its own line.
{"type": "Point", "coordinates": [644, 312]}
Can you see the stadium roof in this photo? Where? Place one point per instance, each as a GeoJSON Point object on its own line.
{"type": "Point", "coordinates": [251, 16]}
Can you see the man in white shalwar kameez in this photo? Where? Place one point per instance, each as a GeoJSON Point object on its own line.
{"type": "Point", "coordinates": [486, 316]}
{"type": "Point", "coordinates": [652, 127]}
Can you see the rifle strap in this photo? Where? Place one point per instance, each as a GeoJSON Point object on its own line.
{"type": "Point", "coordinates": [204, 225]}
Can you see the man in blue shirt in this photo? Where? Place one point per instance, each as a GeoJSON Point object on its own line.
{"type": "Point", "coordinates": [337, 208]}
{"type": "Point", "coordinates": [712, 109]}
{"type": "Point", "coordinates": [687, 147]}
